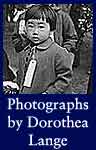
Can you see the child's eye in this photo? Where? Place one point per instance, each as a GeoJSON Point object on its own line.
{"type": "Point", "coordinates": [31, 26]}
{"type": "Point", "coordinates": [41, 27]}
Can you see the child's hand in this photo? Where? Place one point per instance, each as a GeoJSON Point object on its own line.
{"type": "Point", "coordinates": [11, 84]}
{"type": "Point", "coordinates": [44, 93]}
{"type": "Point", "coordinates": [10, 87]}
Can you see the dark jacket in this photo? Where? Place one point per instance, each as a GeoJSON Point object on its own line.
{"type": "Point", "coordinates": [65, 34]}
{"type": "Point", "coordinates": [8, 74]}
{"type": "Point", "coordinates": [53, 72]}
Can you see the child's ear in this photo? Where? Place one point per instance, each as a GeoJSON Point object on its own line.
{"type": "Point", "coordinates": [25, 30]}
{"type": "Point", "coordinates": [52, 35]}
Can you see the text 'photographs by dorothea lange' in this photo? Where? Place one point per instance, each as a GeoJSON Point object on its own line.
{"type": "Point", "coordinates": [47, 48]}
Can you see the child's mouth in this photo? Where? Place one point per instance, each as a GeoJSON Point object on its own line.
{"type": "Point", "coordinates": [35, 38]}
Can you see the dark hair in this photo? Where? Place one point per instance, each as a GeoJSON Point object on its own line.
{"type": "Point", "coordinates": [42, 11]}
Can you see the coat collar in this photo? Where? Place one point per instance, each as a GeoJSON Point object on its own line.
{"type": "Point", "coordinates": [43, 46]}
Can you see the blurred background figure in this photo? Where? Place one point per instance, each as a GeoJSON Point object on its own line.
{"type": "Point", "coordinates": [9, 87]}
{"type": "Point", "coordinates": [66, 8]}
{"type": "Point", "coordinates": [65, 34]}
{"type": "Point", "coordinates": [8, 74]}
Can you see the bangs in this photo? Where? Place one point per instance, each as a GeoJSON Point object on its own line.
{"type": "Point", "coordinates": [39, 14]}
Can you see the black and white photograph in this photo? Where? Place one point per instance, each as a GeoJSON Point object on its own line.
{"type": "Point", "coordinates": [47, 48]}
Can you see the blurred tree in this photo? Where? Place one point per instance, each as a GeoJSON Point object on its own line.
{"type": "Point", "coordinates": [81, 15]}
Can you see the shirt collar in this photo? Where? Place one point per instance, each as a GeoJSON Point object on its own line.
{"type": "Point", "coordinates": [45, 45]}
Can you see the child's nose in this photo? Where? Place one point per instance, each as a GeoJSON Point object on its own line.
{"type": "Point", "coordinates": [36, 30]}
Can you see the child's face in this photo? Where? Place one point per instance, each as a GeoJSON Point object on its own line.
{"type": "Point", "coordinates": [38, 31]}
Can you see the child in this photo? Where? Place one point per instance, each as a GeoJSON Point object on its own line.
{"type": "Point", "coordinates": [45, 68]}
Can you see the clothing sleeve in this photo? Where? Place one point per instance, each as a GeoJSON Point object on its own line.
{"type": "Point", "coordinates": [69, 33]}
{"type": "Point", "coordinates": [20, 74]}
{"type": "Point", "coordinates": [63, 69]}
